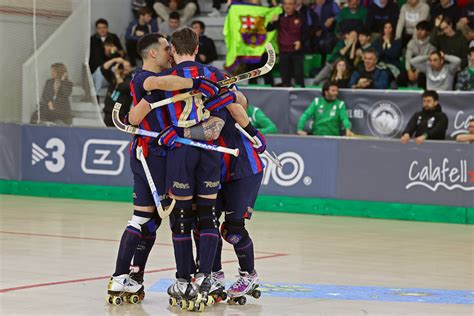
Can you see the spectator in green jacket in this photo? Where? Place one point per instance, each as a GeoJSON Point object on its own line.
{"type": "Point", "coordinates": [328, 113]}
{"type": "Point", "coordinates": [261, 122]}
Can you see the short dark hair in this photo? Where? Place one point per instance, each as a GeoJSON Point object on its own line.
{"type": "Point", "coordinates": [447, 20]}
{"type": "Point", "coordinates": [144, 11]}
{"type": "Point", "coordinates": [109, 41]}
{"type": "Point", "coordinates": [328, 84]}
{"type": "Point", "coordinates": [372, 50]}
{"type": "Point", "coordinates": [101, 21]}
{"type": "Point", "coordinates": [174, 16]}
{"type": "Point", "coordinates": [185, 41]}
{"type": "Point", "coordinates": [146, 41]}
{"type": "Point", "coordinates": [365, 31]}
{"type": "Point", "coordinates": [423, 25]}
{"type": "Point", "coordinates": [201, 24]}
{"type": "Point", "coordinates": [437, 53]}
{"type": "Point", "coordinates": [430, 93]}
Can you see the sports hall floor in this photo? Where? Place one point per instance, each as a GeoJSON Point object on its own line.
{"type": "Point", "coordinates": [56, 256]}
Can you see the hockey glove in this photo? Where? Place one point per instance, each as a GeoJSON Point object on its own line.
{"type": "Point", "coordinates": [207, 87]}
{"type": "Point", "coordinates": [167, 137]}
{"type": "Point", "coordinates": [220, 101]}
{"type": "Point", "coordinates": [260, 144]}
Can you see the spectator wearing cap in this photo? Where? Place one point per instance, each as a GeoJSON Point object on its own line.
{"type": "Point", "coordinates": [145, 24]}
{"type": "Point", "coordinates": [439, 74]}
{"type": "Point", "coordinates": [186, 9]}
{"type": "Point", "coordinates": [352, 17]}
{"type": "Point", "coordinates": [381, 11]}
{"type": "Point", "coordinates": [446, 39]}
{"type": "Point", "coordinates": [168, 27]}
{"type": "Point", "coordinates": [411, 13]}
{"type": "Point", "coordinates": [465, 80]}
{"type": "Point", "coordinates": [207, 52]}
{"type": "Point", "coordinates": [369, 76]}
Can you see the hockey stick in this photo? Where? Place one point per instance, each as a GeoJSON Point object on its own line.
{"type": "Point", "coordinates": [137, 131]}
{"type": "Point", "coordinates": [154, 192]}
{"type": "Point", "coordinates": [226, 82]}
{"type": "Point", "coordinates": [273, 157]}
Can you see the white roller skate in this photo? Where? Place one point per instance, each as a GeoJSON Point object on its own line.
{"type": "Point", "coordinates": [184, 294]}
{"type": "Point", "coordinates": [246, 284]}
{"type": "Point", "coordinates": [124, 289]}
{"type": "Point", "coordinates": [204, 283]}
{"type": "Point", "coordinates": [218, 286]}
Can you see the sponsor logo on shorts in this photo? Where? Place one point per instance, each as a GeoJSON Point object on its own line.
{"type": "Point", "coordinates": [212, 184]}
{"type": "Point", "coordinates": [179, 185]}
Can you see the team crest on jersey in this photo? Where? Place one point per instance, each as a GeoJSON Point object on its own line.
{"type": "Point", "coordinates": [253, 30]}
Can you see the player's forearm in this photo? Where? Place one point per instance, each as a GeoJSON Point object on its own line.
{"type": "Point", "coordinates": [239, 114]}
{"type": "Point", "coordinates": [167, 83]}
{"type": "Point", "coordinates": [208, 130]}
{"type": "Point", "coordinates": [138, 112]}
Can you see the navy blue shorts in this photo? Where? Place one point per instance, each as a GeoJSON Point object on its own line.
{"type": "Point", "coordinates": [193, 171]}
{"type": "Point", "coordinates": [237, 198]}
{"type": "Point", "coordinates": [141, 189]}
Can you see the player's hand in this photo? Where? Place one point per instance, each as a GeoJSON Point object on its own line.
{"type": "Point", "coordinates": [220, 101]}
{"type": "Point", "coordinates": [260, 144]}
{"type": "Point", "coordinates": [405, 138]}
{"type": "Point", "coordinates": [207, 87]}
{"type": "Point", "coordinates": [167, 137]}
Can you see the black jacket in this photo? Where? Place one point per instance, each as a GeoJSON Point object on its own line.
{"type": "Point", "coordinates": [208, 49]}
{"type": "Point", "coordinates": [116, 93]}
{"type": "Point", "coordinates": [97, 53]}
{"type": "Point", "coordinates": [434, 123]}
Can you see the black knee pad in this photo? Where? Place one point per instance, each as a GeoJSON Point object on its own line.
{"type": "Point", "coordinates": [234, 232]}
{"type": "Point", "coordinates": [208, 219]}
{"type": "Point", "coordinates": [152, 225]}
{"type": "Point", "coordinates": [182, 221]}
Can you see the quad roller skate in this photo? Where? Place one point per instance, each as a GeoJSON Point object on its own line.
{"type": "Point", "coordinates": [204, 284]}
{"type": "Point", "coordinates": [137, 275]}
{"type": "Point", "coordinates": [218, 286]}
{"type": "Point", "coordinates": [185, 295]}
{"type": "Point", "coordinates": [124, 289]}
{"type": "Point", "coordinates": [246, 284]}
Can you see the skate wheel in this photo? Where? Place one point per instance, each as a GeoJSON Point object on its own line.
{"type": "Point", "coordinates": [199, 298]}
{"type": "Point", "coordinates": [117, 300]}
{"type": "Point", "coordinates": [201, 307]}
{"type": "Point", "coordinates": [191, 306]}
{"type": "Point", "coordinates": [109, 299]}
{"type": "Point", "coordinates": [210, 300]}
{"type": "Point", "coordinates": [224, 296]}
{"type": "Point", "coordinates": [183, 304]}
{"type": "Point", "coordinates": [231, 301]}
{"type": "Point", "coordinates": [134, 299]}
{"type": "Point", "coordinates": [173, 301]}
{"type": "Point", "coordinates": [256, 294]}
{"type": "Point", "coordinates": [242, 300]}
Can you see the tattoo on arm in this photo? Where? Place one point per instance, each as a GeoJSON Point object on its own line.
{"type": "Point", "coordinates": [209, 130]}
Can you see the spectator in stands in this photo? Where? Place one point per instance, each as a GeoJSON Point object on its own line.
{"type": "Point", "coordinates": [380, 12]}
{"type": "Point", "coordinates": [419, 45]}
{"type": "Point", "coordinates": [117, 71]}
{"type": "Point", "coordinates": [429, 123]}
{"type": "Point", "coordinates": [168, 27]}
{"type": "Point", "coordinates": [345, 48]}
{"type": "Point", "coordinates": [465, 79]}
{"type": "Point", "coordinates": [185, 8]}
{"type": "Point", "coordinates": [292, 32]}
{"type": "Point", "coordinates": [341, 74]}
{"type": "Point", "coordinates": [54, 104]}
{"type": "Point", "coordinates": [469, 137]}
{"type": "Point", "coordinates": [466, 23]}
{"type": "Point", "coordinates": [364, 43]}
{"type": "Point", "coordinates": [389, 50]}
{"type": "Point", "coordinates": [439, 74]}
{"type": "Point", "coordinates": [369, 76]}
{"type": "Point", "coordinates": [145, 24]}
{"type": "Point", "coordinates": [258, 119]}
{"type": "Point", "coordinates": [353, 16]}
{"type": "Point", "coordinates": [448, 40]}
{"type": "Point", "coordinates": [328, 113]}
{"type": "Point", "coordinates": [137, 5]}
{"type": "Point", "coordinates": [324, 40]}
{"type": "Point", "coordinates": [445, 8]}
{"type": "Point", "coordinates": [411, 13]}
{"type": "Point", "coordinates": [311, 21]}
{"type": "Point", "coordinates": [216, 8]}
{"type": "Point", "coordinates": [207, 49]}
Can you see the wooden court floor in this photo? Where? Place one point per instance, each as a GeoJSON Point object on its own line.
{"type": "Point", "coordinates": [56, 256]}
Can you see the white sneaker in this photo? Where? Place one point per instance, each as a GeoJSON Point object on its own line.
{"type": "Point", "coordinates": [214, 13]}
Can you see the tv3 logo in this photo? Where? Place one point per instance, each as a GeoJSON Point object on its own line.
{"type": "Point", "coordinates": [52, 154]}
{"type": "Point", "coordinates": [103, 157]}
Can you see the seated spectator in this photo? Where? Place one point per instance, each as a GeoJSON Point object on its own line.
{"type": "Point", "coordinates": [411, 13]}
{"type": "Point", "coordinates": [328, 113]}
{"type": "Point", "coordinates": [466, 23]}
{"type": "Point", "coordinates": [324, 40]}
{"type": "Point", "coordinates": [261, 122]}
{"type": "Point", "coordinates": [137, 5]}
{"type": "Point", "coordinates": [364, 43]}
{"type": "Point", "coordinates": [117, 71]}
{"type": "Point", "coordinates": [466, 77]}
{"type": "Point", "coordinates": [369, 76]}
{"type": "Point", "coordinates": [292, 32]}
{"type": "Point", "coordinates": [445, 8]}
{"type": "Point", "coordinates": [341, 74]}
{"type": "Point", "coordinates": [352, 17]}
{"type": "Point", "coordinates": [207, 49]}
{"type": "Point", "coordinates": [145, 24]}
{"type": "Point", "coordinates": [448, 40]}
{"type": "Point", "coordinates": [429, 123]}
{"type": "Point", "coordinates": [380, 12]}
{"type": "Point", "coordinates": [439, 75]}
{"type": "Point", "coordinates": [469, 137]}
{"type": "Point", "coordinates": [168, 27]}
{"type": "Point", "coordinates": [345, 48]}
{"type": "Point", "coordinates": [389, 50]}
{"type": "Point", "coordinates": [54, 104]}
{"type": "Point", "coordinates": [419, 45]}
{"type": "Point", "coordinates": [185, 8]}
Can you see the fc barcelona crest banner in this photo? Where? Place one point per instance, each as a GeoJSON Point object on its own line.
{"type": "Point", "coordinates": [245, 34]}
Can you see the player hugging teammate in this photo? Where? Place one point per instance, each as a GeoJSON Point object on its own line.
{"type": "Point", "coordinates": [190, 175]}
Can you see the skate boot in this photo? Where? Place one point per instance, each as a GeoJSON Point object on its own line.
{"type": "Point", "coordinates": [183, 294]}
{"type": "Point", "coordinates": [136, 274]}
{"type": "Point", "coordinates": [123, 289]}
{"type": "Point", "coordinates": [204, 283]}
{"type": "Point", "coordinates": [246, 284]}
{"type": "Point", "coordinates": [218, 286]}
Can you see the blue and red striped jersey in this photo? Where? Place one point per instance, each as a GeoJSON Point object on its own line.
{"type": "Point", "coordinates": [248, 162]}
{"type": "Point", "coordinates": [189, 112]}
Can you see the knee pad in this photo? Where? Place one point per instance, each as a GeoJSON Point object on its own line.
{"type": "Point", "coordinates": [208, 219]}
{"type": "Point", "coordinates": [150, 227]}
{"type": "Point", "coordinates": [182, 221]}
{"type": "Point", "coordinates": [234, 232]}
{"type": "Point", "coordinates": [143, 221]}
